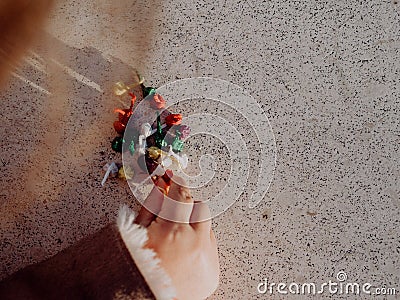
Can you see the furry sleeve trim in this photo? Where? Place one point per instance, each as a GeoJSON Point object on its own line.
{"type": "Point", "coordinates": [135, 237]}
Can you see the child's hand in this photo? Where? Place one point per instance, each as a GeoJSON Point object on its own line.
{"type": "Point", "coordinates": [187, 248]}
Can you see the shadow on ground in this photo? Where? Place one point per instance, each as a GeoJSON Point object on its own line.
{"type": "Point", "coordinates": [57, 115]}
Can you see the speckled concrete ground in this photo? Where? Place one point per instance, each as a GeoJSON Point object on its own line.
{"type": "Point", "coordinates": [326, 74]}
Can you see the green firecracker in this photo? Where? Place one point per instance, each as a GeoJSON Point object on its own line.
{"type": "Point", "coordinates": [132, 147]}
{"type": "Point", "coordinates": [116, 144]}
{"type": "Point", "coordinates": [177, 144]}
{"type": "Point", "coordinates": [147, 91]}
{"type": "Point", "coordinates": [158, 136]}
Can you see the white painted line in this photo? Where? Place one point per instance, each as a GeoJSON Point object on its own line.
{"type": "Point", "coordinates": [32, 84]}
{"type": "Point", "coordinates": [36, 64]}
{"type": "Point", "coordinates": [37, 56]}
{"type": "Point", "coordinates": [78, 76]}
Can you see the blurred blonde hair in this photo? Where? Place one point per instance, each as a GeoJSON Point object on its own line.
{"type": "Point", "coordinates": [20, 22]}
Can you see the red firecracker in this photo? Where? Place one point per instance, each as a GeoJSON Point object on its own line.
{"type": "Point", "coordinates": [123, 116]}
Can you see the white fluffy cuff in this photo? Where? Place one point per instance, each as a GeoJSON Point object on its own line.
{"type": "Point", "coordinates": [135, 237]}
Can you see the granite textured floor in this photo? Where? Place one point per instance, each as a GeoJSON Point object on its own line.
{"type": "Point", "coordinates": [326, 73]}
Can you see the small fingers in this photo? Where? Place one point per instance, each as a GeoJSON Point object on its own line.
{"type": "Point", "coordinates": [152, 205]}
{"type": "Point", "coordinates": [201, 218]}
{"type": "Point", "coordinates": [178, 204]}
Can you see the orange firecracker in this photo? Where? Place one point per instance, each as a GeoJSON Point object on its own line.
{"type": "Point", "coordinates": [173, 119]}
{"type": "Point", "coordinates": [123, 116]}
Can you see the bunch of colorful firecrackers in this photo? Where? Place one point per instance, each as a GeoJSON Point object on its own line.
{"type": "Point", "coordinates": [155, 147]}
